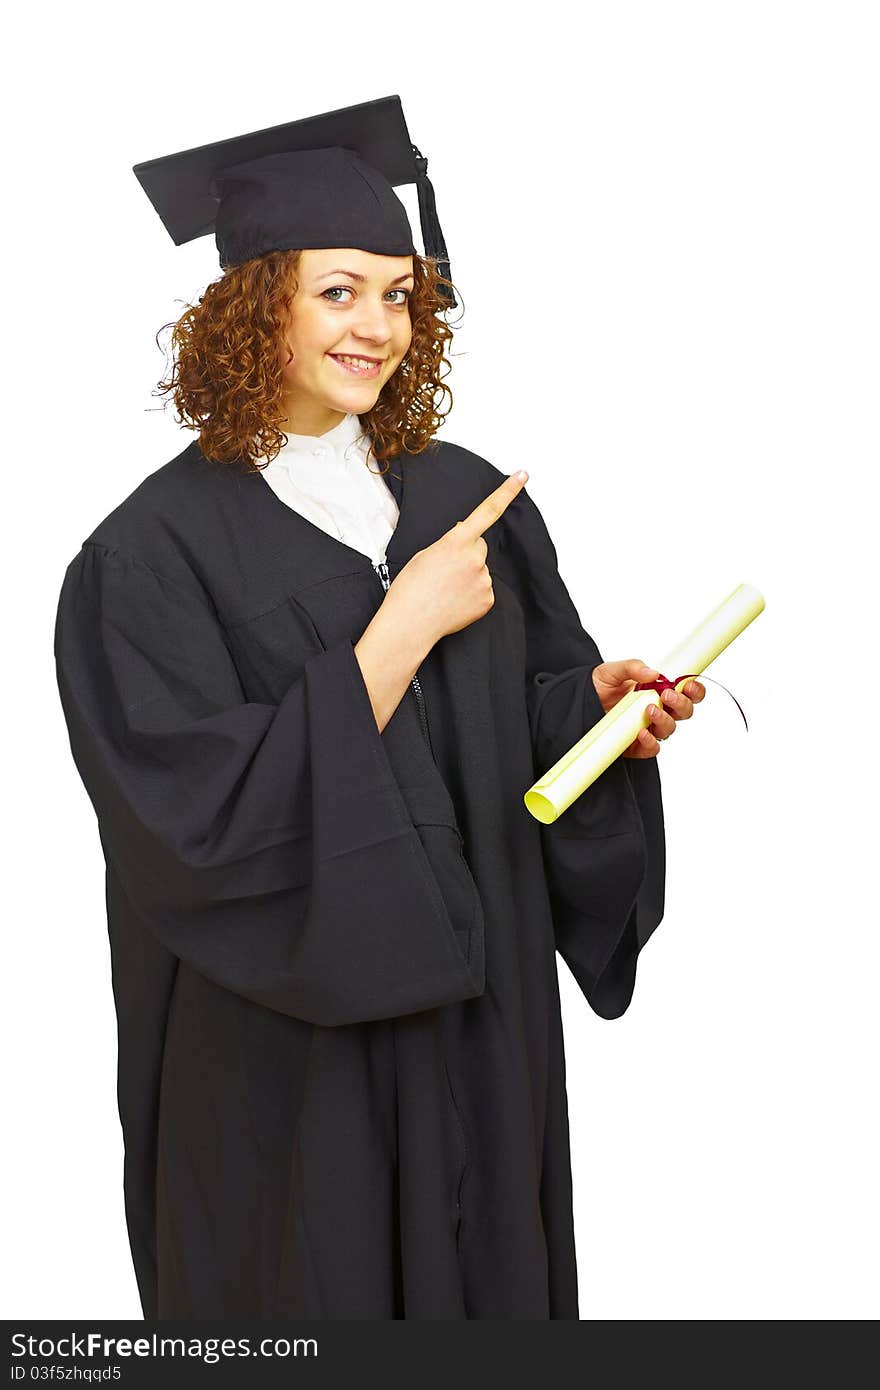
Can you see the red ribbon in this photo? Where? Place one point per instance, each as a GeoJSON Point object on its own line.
{"type": "Point", "coordinates": [663, 683]}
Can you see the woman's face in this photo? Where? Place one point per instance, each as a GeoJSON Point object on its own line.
{"type": "Point", "coordinates": [349, 304]}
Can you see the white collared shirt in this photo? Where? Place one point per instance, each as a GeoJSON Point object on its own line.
{"type": "Point", "coordinates": [332, 479]}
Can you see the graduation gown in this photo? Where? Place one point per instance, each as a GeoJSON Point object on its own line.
{"type": "Point", "coordinates": [341, 1078]}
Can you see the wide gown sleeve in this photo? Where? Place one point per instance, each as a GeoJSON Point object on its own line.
{"type": "Point", "coordinates": [605, 857]}
{"type": "Point", "coordinates": [268, 846]}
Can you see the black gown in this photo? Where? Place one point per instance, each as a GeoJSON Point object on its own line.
{"type": "Point", "coordinates": [341, 1078]}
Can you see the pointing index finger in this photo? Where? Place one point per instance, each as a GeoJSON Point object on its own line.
{"type": "Point", "coordinates": [493, 506]}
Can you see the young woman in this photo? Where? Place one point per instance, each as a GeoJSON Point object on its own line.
{"type": "Point", "coordinates": [309, 668]}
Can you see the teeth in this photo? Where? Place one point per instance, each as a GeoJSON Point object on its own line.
{"type": "Point", "coordinates": [359, 362]}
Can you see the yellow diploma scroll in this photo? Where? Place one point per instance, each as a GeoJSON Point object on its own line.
{"type": "Point", "coordinates": [578, 769]}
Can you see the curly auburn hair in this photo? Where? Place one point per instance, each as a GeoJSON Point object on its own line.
{"type": "Point", "coordinates": [227, 380]}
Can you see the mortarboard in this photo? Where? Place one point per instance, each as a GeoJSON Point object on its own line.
{"type": "Point", "coordinates": [324, 181]}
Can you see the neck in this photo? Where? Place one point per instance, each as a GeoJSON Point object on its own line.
{"type": "Point", "coordinates": [310, 417]}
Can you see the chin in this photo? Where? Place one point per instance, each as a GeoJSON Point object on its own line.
{"type": "Point", "coordinates": [358, 398]}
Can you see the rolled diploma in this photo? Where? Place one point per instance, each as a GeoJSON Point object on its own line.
{"type": "Point", "coordinates": [578, 769]}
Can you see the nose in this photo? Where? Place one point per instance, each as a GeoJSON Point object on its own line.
{"type": "Point", "coordinates": [372, 322]}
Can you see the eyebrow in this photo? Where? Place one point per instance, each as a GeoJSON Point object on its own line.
{"type": "Point", "coordinates": [352, 275]}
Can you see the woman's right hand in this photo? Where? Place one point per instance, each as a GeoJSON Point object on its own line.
{"type": "Point", "coordinates": [447, 586]}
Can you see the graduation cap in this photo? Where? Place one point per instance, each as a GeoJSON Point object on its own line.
{"type": "Point", "coordinates": [325, 181]}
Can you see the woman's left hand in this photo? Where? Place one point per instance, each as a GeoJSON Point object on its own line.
{"type": "Point", "coordinates": [614, 679]}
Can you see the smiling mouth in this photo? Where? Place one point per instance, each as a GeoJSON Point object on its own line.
{"type": "Point", "coordinates": [356, 365]}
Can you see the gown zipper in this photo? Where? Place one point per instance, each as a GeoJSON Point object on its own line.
{"type": "Point", "coordinates": [382, 571]}
{"type": "Point", "coordinates": [465, 1158]}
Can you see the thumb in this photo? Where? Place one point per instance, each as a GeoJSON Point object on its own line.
{"type": "Point", "coordinates": [624, 672]}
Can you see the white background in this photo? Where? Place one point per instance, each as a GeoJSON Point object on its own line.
{"type": "Point", "coordinates": [664, 222]}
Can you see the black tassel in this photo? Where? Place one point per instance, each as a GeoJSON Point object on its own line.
{"type": "Point", "coordinates": [432, 233]}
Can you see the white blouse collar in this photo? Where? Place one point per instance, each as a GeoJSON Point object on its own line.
{"type": "Point", "coordinates": [338, 439]}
